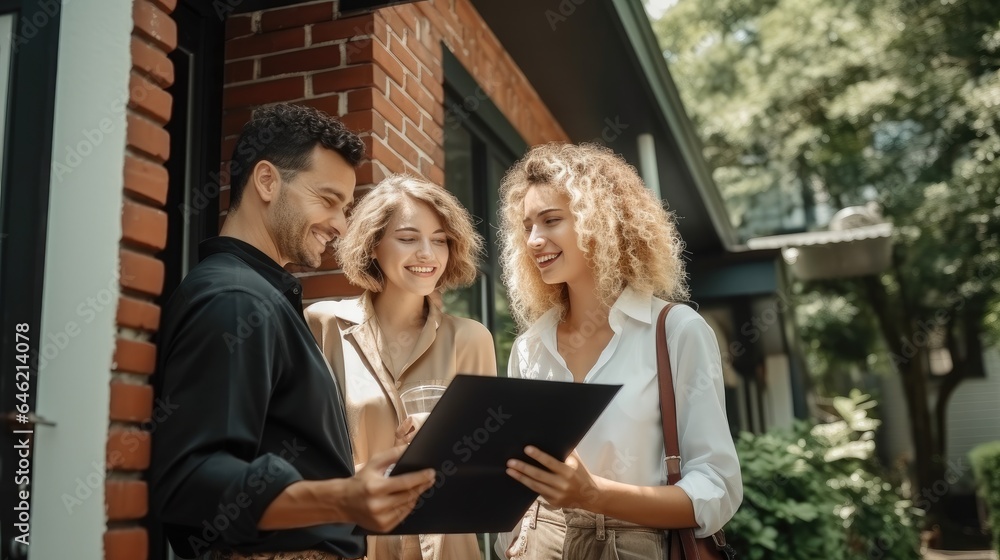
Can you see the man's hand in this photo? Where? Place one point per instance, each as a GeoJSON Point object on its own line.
{"type": "Point", "coordinates": [379, 503]}
{"type": "Point", "coordinates": [369, 498]}
{"type": "Point", "coordinates": [408, 429]}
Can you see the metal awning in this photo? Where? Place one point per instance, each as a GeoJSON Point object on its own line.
{"type": "Point", "coordinates": [822, 255]}
{"type": "Point", "coordinates": [811, 238]}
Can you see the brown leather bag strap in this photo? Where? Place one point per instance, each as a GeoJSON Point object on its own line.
{"type": "Point", "coordinates": [668, 406]}
{"type": "Point", "coordinates": [668, 415]}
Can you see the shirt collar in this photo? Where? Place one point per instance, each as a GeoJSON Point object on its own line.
{"type": "Point", "coordinates": [264, 265]}
{"type": "Point", "coordinates": [631, 302]}
{"type": "Point", "coordinates": [547, 321]}
{"type": "Point", "coordinates": [359, 310]}
{"type": "Point", "coordinates": [635, 304]}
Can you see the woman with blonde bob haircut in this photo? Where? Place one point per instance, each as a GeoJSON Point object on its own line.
{"type": "Point", "coordinates": [406, 240]}
{"type": "Point", "coordinates": [591, 258]}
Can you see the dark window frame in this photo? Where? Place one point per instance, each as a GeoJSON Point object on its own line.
{"type": "Point", "coordinates": [195, 137]}
{"type": "Point", "coordinates": [495, 145]}
{"type": "Point", "coordinates": [24, 206]}
{"type": "Point", "coordinates": [195, 131]}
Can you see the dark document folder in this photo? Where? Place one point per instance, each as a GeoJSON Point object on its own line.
{"type": "Point", "coordinates": [480, 423]}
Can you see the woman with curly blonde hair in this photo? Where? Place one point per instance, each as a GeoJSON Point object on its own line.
{"type": "Point", "coordinates": [406, 240]}
{"type": "Point", "coordinates": [591, 258]}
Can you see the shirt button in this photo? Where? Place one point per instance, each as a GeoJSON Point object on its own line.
{"type": "Point", "coordinates": [295, 291]}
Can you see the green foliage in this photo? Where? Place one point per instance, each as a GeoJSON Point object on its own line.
{"type": "Point", "coordinates": [813, 492]}
{"type": "Point", "coordinates": [807, 106]}
{"type": "Point", "coordinates": [836, 327]}
{"type": "Point", "coordinates": [986, 466]}
{"type": "Point", "coordinates": [802, 103]}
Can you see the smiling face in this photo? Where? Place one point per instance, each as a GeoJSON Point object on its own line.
{"type": "Point", "coordinates": [308, 214]}
{"type": "Point", "coordinates": [549, 231]}
{"type": "Point", "coordinates": [413, 252]}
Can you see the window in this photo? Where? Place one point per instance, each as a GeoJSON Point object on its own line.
{"type": "Point", "coordinates": [480, 145]}
{"type": "Point", "coordinates": [6, 38]}
{"type": "Point", "coordinates": [476, 158]}
{"type": "Point", "coordinates": [195, 139]}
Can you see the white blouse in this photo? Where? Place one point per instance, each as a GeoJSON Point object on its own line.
{"type": "Point", "coordinates": [626, 442]}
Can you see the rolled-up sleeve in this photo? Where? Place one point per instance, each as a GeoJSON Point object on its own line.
{"type": "Point", "coordinates": [710, 472]}
{"type": "Point", "coordinates": [217, 371]}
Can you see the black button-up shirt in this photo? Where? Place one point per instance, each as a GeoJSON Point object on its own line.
{"type": "Point", "coordinates": [252, 408]}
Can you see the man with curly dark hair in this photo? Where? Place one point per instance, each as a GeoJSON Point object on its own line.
{"type": "Point", "coordinates": [254, 459]}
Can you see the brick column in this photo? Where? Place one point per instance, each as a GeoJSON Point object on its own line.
{"type": "Point", "coordinates": [144, 234]}
{"type": "Point", "coordinates": [354, 68]}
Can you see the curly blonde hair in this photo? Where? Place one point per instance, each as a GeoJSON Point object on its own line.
{"type": "Point", "coordinates": [356, 249]}
{"type": "Point", "coordinates": [624, 231]}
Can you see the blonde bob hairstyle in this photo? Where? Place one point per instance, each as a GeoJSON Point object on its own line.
{"type": "Point", "coordinates": [628, 238]}
{"type": "Point", "coordinates": [356, 249]}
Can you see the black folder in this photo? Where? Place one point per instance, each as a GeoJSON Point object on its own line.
{"type": "Point", "coordinates": [480, 423]}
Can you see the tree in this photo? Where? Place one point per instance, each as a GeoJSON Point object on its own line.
{"type": "Point", "coordinates": [832, 103]}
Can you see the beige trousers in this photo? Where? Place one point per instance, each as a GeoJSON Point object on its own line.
{"type": "Point", "coordinates": [549, 533]}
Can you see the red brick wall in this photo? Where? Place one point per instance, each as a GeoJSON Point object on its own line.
{"type": "Point", "coordinates": [381, 73]}
{"type": "Point", "coordinates": [144, 234]}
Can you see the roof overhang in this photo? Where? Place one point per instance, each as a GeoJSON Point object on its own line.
{"type": "Point", "coordinates": [599, 69]}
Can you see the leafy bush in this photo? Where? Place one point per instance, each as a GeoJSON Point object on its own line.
{"type": "Point", "coordinates": [986, 467]}
{"type": "Point", "coordinates": [813, 492]}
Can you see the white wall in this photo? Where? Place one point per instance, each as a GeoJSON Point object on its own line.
{"type": "Point", "coordinates": [81, 279]}
{"type": "Point", "coordinates": [974, 416]}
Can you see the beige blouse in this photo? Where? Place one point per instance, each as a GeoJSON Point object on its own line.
{"type": "Point", "coordinates": [346, 330]}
